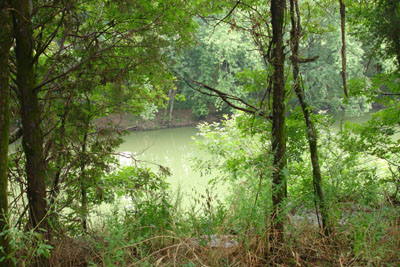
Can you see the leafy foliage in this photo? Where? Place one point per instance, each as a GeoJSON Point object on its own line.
{"type": "Point", "coordinates": [377, 23]}
{"type": "Point", "coordinates": [219, 55]}
{"type": "Point", "coordinates": [322, 79]}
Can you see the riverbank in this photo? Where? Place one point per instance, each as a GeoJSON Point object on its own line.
{"type": "Point", "coordinates": [179, 118]}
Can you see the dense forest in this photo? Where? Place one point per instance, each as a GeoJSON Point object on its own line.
{"type": "Point", "coordinates": [302, 185]}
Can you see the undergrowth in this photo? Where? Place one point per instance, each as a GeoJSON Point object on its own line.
{"type": "Point", "coordinates": [369, 237]}
{"type": "Point", "coordinates": [362, 201]}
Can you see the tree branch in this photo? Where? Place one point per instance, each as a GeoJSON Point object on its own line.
{"type": "Point", "coordinates": [226, 97]}
{"type": "Point", "coordinates": [229, 14]}
{"type": "Point", "coordinates": [15, 135]}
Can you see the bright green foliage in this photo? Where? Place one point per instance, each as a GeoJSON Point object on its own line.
{"type": "Point", "coordinates": [219, 54]}
{"type": "Point", "coordinates": [376, 22]}
{"type": "Point", "coordinates": [119, 48]}
{"type": "Point", "coordinates": [231, 151]}
{"type": "Point", "coordinates": [147, 213]}
{"type": "Point", "coordinates": [351, 175]}
{"type": "Point", "coordinates": [378, 138]}
{"type": "Point", "coordinates": [322, 77]}
{"type": "Point", "coordinates": [353, 181]}
{"type": "Point", "coordinates": [147, 194]}
{"type": "Point", "coordinates": [224, 56]}
{"type": "Point", "coordinates": [296, 135]}
{"type": "Point", "coordinates": [239, 150]}
{"type": "Point", "coordinates": [137, 183]}
{"type": "Point", "coordinates": [93, 59]}
{"type": "Point", "coordinates": [383, 88]}
{"type": "Point", "coordinates": [31, 243]}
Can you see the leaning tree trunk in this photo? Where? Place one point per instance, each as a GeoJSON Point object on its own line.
{"type": "Point", "coordinates": [83, 165]}
{"type": "Point", "coordinates": [171, 108]}
{"type": "Point", "coordinates": [83, 182]}
{"type": "Point", "coordinates": [55, 187]}
{"type": "Point", "coordinates": [166, 108]}
{"type": "Point", "coordinates": [278, 117]}
{"type": "Point", "coordinates": [5, 45]}
{"type": "Point", "coordinates": [32, 140]}
{"type": "Point", "coordinates": [295, 34]}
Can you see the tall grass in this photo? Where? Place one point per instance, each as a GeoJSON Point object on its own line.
{"type": "Point", "coordinates": [164, 235]}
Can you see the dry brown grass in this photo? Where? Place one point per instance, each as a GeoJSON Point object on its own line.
{"type": "Point", "coordinates": [304, 245]}
{"type": "Point", "coordinates": [70, 252]}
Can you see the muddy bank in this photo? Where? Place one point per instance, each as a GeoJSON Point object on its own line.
{"type": "Point", "coordinates": [180, 118]}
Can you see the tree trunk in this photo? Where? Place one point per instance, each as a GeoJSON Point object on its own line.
{"type": "Point", "coordinates": [32, 137]}
{"type": "Point", "coordinates": [171, 108]}
{"type": "Point", "coordinates": [343, 31]}
{"type": "Point", "coordinates": [295, 34]}
{"type": "Point", "coordinates": [5, 45]}
{"type": "Point", "coordinates": [84, 208]}
{"type": "Point", "coordinates": [166, 108]}
{"type": "Point", "coordinates": [83, 163]}
{"type": "Point", "coordinates": [278, 117]}
{"type": "Point", "coordinates": [55, 188]}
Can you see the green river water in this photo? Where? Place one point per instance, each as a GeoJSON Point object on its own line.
{"type": "Point", "coordinates": [173, 148]}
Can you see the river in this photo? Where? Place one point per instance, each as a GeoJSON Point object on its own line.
{"type": "Point", "coordinates": [173, 148]}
